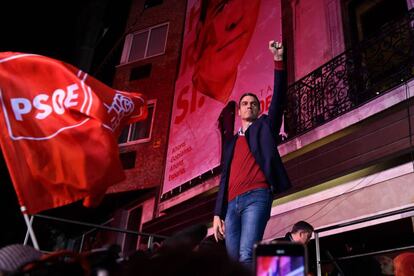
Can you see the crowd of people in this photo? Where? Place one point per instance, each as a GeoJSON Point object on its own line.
{"type": "Point", "coordinates": [189, 252]}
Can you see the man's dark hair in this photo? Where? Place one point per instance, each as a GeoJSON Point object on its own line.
{"type": "Point", "coordinates": [302, 225]}
{"type": "Point", "coordinates": [252, 95]}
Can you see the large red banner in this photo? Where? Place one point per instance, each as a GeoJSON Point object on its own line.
{"type": "Point", "coordinates": [59, 131]}
{"type": "Point", "coordinates": [225, 54]}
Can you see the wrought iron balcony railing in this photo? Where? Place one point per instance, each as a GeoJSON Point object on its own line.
{"type": "Point", "coordinates": [353, 78]}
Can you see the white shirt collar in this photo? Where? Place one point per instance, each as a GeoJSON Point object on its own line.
{"type": "Point", "coordinates": [241, 132]}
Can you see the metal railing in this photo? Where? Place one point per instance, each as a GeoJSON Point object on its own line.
{"type": "Point", "coordinates": [99, 227]}
{"type": "Point", "coordinates": [352, 78]}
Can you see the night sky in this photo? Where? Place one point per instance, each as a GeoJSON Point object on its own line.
{"type": "Point", "coordinates": [42, 27]}
{"type": "Point", "coordinates": [67, 30]}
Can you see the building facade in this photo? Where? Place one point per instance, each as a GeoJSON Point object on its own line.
{"type": "Point", "coordinates": [348, 120]}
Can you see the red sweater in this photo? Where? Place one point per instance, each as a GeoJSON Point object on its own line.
{"type": "Point", "coordinates": [245, 173]}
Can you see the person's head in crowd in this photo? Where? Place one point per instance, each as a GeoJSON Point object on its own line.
{"type": "Point", "coordinates": [302, 232]}
{"type": "Point", "coordinates": [61, 262]}
{"type": "Point", "coordinates": [210, 244]}
{"type": "Point", "coordinates": [386, 264]}
{"type": "Point", "coordinates": [189, 237]}
{"type": "Point", "coordinates": [183, 261]}
{"type": "Point", "coordinates": [15, 256]}
{"type": "Point", "coordinates": [102, 261]}
{"type": "Point", "coordinates": [185, 253]}
{"type": "Point", "coordinates": [404, 264]}
{"type": "Point", "coordinates": [224, 31]}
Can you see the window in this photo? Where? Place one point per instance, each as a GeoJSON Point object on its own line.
{"type": "Point", "coordinates": [364, 19]}
{"type": "Point", "coordinates": [146, 43]}
{"type": "Point", "coordinates": [128, 159]}
{"type": "Point", "coordinates": [140, 72]}
{"type": "Point", "coordinates": [141, 131]}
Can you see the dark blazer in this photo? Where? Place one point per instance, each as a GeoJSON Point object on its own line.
{"type": "Point", "coordinates": [287, 237]}
{"type": "Point", "coordinates": [262, 137]}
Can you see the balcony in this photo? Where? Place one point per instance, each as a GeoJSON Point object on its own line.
{"type": "Point", "coordinates": [353, 78]}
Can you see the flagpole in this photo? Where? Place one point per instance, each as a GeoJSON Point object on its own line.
{"type": "Point", "coordinates": [29, 227]}
{"type": "Point", "coordinates": [26, 238]}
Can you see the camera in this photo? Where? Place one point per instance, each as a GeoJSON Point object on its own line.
{"type": "Point", "coordinates": [280, 258]}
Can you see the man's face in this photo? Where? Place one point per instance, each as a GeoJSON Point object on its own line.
{"type": "Point", "coordinates": [223, 39]}
{"type": "Point", "coordinates": [249, 108]}
{"type": "Point", "coordinates": [304, 237]}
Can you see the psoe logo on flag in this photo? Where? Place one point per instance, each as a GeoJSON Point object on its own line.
{"type": "Point", "coordinates": [22, 114]}
{"type": "Point", "coordinates": [41, 97]}
{"type": "Point", "coordinates": [121, 107]}
{"type": "Point", "coordinates": [35, 109]}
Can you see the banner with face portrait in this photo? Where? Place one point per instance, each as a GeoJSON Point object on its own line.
{"type": "Point", "coordinates": [225, 54]}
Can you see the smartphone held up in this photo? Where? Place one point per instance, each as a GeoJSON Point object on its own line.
{"type": "Point", "coordinates": [280, 258]}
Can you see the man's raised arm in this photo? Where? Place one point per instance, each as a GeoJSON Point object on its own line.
{"type": "Point", "coordinates": [280, 86]}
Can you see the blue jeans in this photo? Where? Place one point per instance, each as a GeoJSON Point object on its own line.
{"type": "Point", "coordinates": [245, 222]}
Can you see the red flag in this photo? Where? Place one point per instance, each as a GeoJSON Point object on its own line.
{"type": "Point", "coordinates": [59, 131]}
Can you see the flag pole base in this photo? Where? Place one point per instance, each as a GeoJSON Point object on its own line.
{"type": "Point", "coordinates": [29, 228]}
